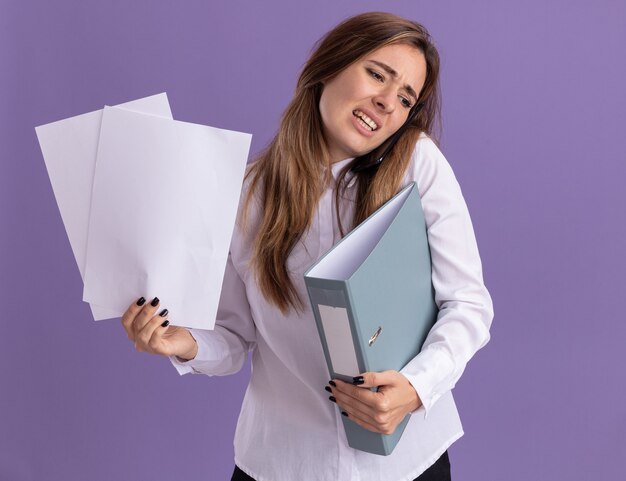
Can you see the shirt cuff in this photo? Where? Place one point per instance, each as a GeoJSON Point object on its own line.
{"type": "Point", "coordinates": [209, 350]}
{"type": "Point", "coordinates": [425, 372]}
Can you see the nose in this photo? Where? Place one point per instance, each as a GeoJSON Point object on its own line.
{"type": "Point", "coordinates": [385, 100]}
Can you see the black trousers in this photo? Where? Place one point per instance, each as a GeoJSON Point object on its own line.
{"type": "Point", "coordinates": [440, 471]}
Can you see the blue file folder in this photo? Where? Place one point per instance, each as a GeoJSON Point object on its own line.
{"type": "Point", "coordinates": [373, 301]}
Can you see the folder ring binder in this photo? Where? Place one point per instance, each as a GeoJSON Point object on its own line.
{"type": "Point", "coordinates": [375, 336]}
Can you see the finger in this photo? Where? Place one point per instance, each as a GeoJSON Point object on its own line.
{"type": "Point", "coordinates": [352, 398]}
{"type": "Point", "coordinates": [378, 405]}
{"type": "Point", "coordinates": [145, 334]}
{"type": "Point", "coordinates": [129, 316]}
{"type": "Point", "coordinates": [147, 312]}
{"type": "Point", "coordinates": [360, 388]}
{"type": "Point", "coordinates": [156, 340]}
{"type": "Point", "coordinates": [355, 393]}
{"type": "Point", "coordinates": [361, 421]}
{"type": "Point", "coordinates": [160, 325]}
{"type": "Point", "coordinates": [383, 422]}
{"type": "Point", "coordinates": [372, 379]}
{"type": "Point", "coordinates": [355, 408]}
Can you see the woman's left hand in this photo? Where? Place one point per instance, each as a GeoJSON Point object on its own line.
{"type": "Point", "coordinates": [379, 411]}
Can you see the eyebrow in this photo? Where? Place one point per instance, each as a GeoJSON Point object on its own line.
{"type": "Point", "coordinates": [394, 74]}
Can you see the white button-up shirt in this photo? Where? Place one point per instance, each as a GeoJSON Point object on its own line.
{"type": "Point", "coordinates": [288, 429]}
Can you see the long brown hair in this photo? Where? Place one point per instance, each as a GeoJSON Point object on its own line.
{"type": "Point", "coordinates": [288, 172]}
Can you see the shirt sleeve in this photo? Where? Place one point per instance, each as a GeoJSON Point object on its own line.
{"type": "Point", "coordinates": [224, 350]}
{"type": "Point", "coordinates": [465, 306]}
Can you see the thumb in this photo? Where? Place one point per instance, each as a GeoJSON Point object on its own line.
{"type": "Point", "coordinates": [374, 379]}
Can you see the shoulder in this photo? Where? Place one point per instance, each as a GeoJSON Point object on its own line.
{"type": "Point", "coordinates": [426, 145]}
{"type": "Point", "coordinates": [428, 166]}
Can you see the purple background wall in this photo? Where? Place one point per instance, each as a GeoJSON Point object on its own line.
{"type": "Point", "coordinates": [534, 112]}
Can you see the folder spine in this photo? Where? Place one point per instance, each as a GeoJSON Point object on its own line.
{"type": "Point", "coordinates": [329, 295]}
{"type": "Point", "coordinates": [332, 294]}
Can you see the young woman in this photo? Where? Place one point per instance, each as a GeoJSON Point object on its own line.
{"type": "Point", "coordinates": [369, 91]}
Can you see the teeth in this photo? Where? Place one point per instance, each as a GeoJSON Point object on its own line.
{"type": "Point", "coordinates": [364, 124]}
{"type": "Point", "coordinates": [365, 120]}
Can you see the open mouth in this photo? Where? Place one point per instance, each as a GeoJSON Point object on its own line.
{"type": "Point", "coordinates": [364, 120]}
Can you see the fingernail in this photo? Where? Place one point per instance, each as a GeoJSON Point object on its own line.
{"type": "Point", "coordinates": [155, 302]}
{"type": "Point", "coordinates": [328, 389]}
{"type": "Point", "coordinates": [344, 413]}
{"type": "Point", "coordinates": [163, 313]}
{"type": "Point", "coordinates": [165, 323]}
{"type": "Point", "coordinates": [141, 301]}
{"type": "Point", "coordinates": [332, 398]}
{"type": "Point", "coordinates": [358, 380]}
{"type": "Point", "coordinates": [332, 383]}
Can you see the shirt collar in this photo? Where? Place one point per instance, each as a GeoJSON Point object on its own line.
{"type": "Point", "coordinates": [337, 167]}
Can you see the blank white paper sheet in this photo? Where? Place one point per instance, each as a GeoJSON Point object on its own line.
{"type": "Point", "coordinates": [69, 149]}
{"type": "Point", "coordinates": [163, 208]}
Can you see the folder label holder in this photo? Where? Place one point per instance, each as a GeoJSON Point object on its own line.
{"type": "Point", "coordinates": [339, 338]}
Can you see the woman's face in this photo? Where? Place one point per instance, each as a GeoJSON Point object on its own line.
{"type": "Point", "coordinates": [369, 100]}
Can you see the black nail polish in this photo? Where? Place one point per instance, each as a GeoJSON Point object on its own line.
{"type": "Point", "coordinates": [328, 389]}
{"type": "Point", "coordinates": [141, 301]}
{"type": "Point", "coordinates": [163, 313]}
{"type": "Point", "coordinates": [155, 302]}
{"type": "Point", "coordinates": [332, 383]}
{"type": "Point", "coordinates": [344, 413]}
{"type": "Point", "coordinates": [358, 380]}
{"type": "Point", "coordinates": [332, 398]}
{"type": "Point", "coordinates": [165, 323]}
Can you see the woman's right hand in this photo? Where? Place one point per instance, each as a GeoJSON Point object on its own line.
{"type": "Point", "coordinates": [152, 333]}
